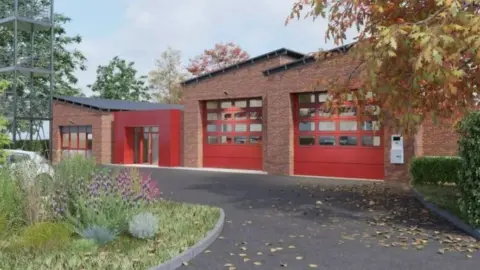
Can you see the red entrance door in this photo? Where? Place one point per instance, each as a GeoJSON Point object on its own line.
{"type": "Point", "coordinates": [146, 145]}
{"type": "Point", "coordinates": [333, 142]}
{"type": "Point", "coordinates": [233, 131]}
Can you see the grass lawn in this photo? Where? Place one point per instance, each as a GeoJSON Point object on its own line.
{"type": "Point", "coordinates": [444, 196]}
{"type": "Point", "coordinates": [180, 227]}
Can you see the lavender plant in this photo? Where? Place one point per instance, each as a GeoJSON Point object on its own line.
{"type": "Point", "coordinates": [143, 225]}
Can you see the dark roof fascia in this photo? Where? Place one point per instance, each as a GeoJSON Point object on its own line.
{"type": "Point", "coordinates": [84, 105]}
{"type": "Point", "coordinates": [282, 51]}
{"type": "Point", "coordinates": [306, 60]}
{"type": "Point", "coordinates": [117, 107]}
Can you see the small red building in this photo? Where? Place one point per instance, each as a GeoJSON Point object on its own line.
{"type": "Point", "coordinates": [116, 131]}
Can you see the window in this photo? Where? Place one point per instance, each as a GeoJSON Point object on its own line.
{"type": "Point", "coordinates": [306, 98]}
{"type": "Point", "coordinates": [348, 111]}
{"type": "Point", "coordinates": [76, 140]}
{"type": "Point", "coordinates": [226, 104]}
{"type": "Point", "coordinates": [255, 116]}
{"type": "Point", "coordinates": [212, 116]}
{"type": "Point", "coordinates": [306, 112]}
{"type": "Point", "coordinates": [325, 112]}
{"type": "Point", "coordinates": [326, 140]}
{"type": "Point", "coordinates": [371, 140]}
{"type": "Point", "coordinates": [233, 122]}
{"type": "Point", "coordinates": [255, 139]}
{"type": "Point", "coordinates": [212, 105]}
{"type": "Point", "coordinates": [306, 140]}
{"type": "Point", "coordinates": [348, 125]}
{"type": "Point", "coordinates": [306, 126]}
{"type": "Point", "coordinates": [226, 128]}
{"type": "Point", "coordinates": [255, 127]}
{"type": "Point", "coordinates": [348, 140]}
{"type": "Point", "coordinates": [256, 103]}
{"type": "Point", "coordinates": [212, 139]}
{"type": "Point", "coordinates": [241, 139]}
{"type": "Point", "coordinates": [211, 128]}
{"type": "Point", "coordinates": [225, 139]}
{"type": "Point", "coordinates": [240, 127]}
{"type": "Point", "coordinates": [371, 125]}
{"type": "Point", "coordinates": [322, 97]}
{"type": "Point", "coordinates": [226, 116]}
{"type": "Point", "coordinates": [17, 158]}
{"type": "Point", "coordinates": [326, 126]}
{"type": "Point", "coordinates": [240, 115]}
{"type": "Point", "coordinates": [241, 104]}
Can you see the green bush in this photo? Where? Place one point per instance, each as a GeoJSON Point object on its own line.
{"type": "Point", "coordinates": [46, 235]}
{"type": "Point", "coordinates": [435, 170]}
{"type": "Point", "coordinates": [469, 174]}
{"type": "Point", "coordinates": [11, 200]}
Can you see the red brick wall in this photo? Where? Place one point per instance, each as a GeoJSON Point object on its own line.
{"type": "Point", "coordinates": [276, 91]}
{"type": "Point", "coordinates": [65, 114]}
{"type": "Point", "coordinates": [241, 83]}
{"type": "Point", "coordinates": [436, 139]}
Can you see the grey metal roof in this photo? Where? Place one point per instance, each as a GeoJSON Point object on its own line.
{"type": "Point", "coordinates": [281, 51]}
{"type": "Point", "coordinates": [306, 60]}
{"type": "Point", "coordinates": [116, 105]}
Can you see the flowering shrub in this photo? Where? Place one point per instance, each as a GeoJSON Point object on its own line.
{"type": "Point", "coordinates": [107, 199]}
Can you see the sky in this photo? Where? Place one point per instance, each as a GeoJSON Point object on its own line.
{"type": "Point", "coordinates": [140, 30]}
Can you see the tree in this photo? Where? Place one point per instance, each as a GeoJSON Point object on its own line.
{"type": "Point", "coordinates": [221, 56]}
{"type": "Point", "coordinates": [165, 79]}
{"type": "Point", "coordinates": [35, 90]}
{"type": "Point", "coordinates": [417, 58]}
{"type": "Point", "coordinates": [118, 80]}
{"type": "Point", "coordinates": [4, 139]}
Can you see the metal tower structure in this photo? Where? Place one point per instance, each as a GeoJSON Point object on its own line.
{"type": "Point", "coordinates": [26, 63]}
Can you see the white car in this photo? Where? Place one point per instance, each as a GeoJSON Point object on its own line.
{"type": "Point", "coordinates": [32, 164]}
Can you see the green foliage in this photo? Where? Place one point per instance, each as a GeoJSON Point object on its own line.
{"type": "Point", "coordinates": [435, 170]}
{"type": "Point", "coordinates": [469, 176]}
{"type": "Point", "coordinates": [143, 225]}
{"type": "Point", "coordinates": [39, 146]}
{"type": "Point", "coordinates": [45, 235]}
{"type": "Point", "coordinates": [4, 139]}
{"type": "Point", "coordinates": [11, 200]}
{"type": "Point", "coordinates": [418, 58]}
{"type": "Point", "coordinates": [165, 79]}
{"type": "Point", "coordinates": [118, 80]}
{"type": "Point", "coordinates": [83, 245]}
{"type": "Point", "coordinates": [99, 234]}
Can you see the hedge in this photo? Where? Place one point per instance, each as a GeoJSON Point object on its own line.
{"type": "Point", "coordinates": [435, 170]}
{"type": "Point", "coordinates": [469, 174]}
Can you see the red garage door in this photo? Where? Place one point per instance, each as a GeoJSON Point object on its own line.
{"type": "Point", "coordinates": [233, 134]}
{"type": "Point", "coordinates": [333, 143]}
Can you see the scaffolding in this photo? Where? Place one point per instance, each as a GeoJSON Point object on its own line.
{"type": "Point", "coordinates": [26, 63]}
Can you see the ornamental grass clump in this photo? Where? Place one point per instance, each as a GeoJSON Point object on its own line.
{"type": "Point", "coordinates": [143, 225]}
{"type": "Point", "coordinates": [99, 234]}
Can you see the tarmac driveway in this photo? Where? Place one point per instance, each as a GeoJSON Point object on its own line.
{"type": "Point", "coordinates": [275, 222]}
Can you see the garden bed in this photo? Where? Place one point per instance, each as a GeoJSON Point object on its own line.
{"type": "Point", "coordinates": [91, 218]}
{"type": "Point", "coordinates": [180, 227]}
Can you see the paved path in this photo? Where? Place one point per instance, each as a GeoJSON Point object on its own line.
{"type": "Point", "coordinates": [294, 223]}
